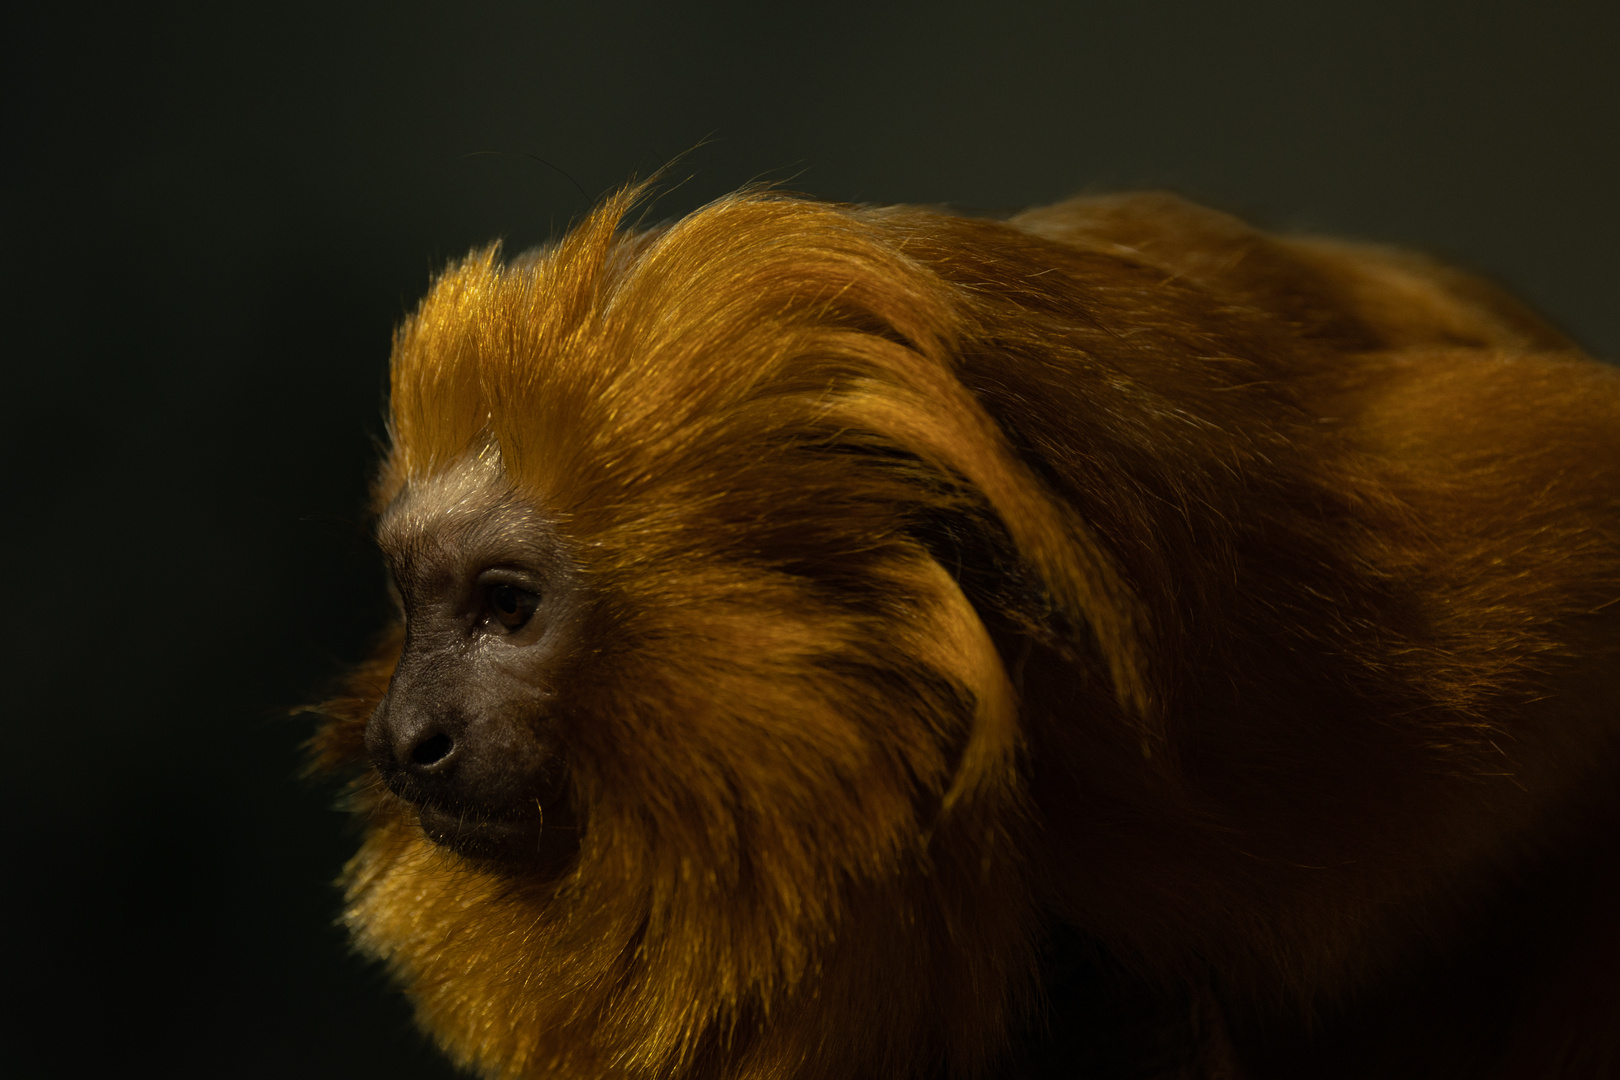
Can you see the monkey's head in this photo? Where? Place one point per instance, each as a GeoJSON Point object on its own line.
{"type": "Point", "coordinates": [692, 740]}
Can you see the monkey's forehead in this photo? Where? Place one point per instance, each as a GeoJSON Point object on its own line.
{"type": "Point", "coordinates": [469, 505]}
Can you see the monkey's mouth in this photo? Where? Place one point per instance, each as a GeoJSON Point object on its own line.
{"type": "Point", "coordinates": [542, 837]}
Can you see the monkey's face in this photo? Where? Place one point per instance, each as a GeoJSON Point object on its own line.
{"type": "Point", "coordinates": [466, 732]}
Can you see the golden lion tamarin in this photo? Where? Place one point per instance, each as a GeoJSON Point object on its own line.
{"type": "Point", "coordinates": [812, 614]}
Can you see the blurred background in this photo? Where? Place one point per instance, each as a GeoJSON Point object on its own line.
{"type": "Point", "coordinates": [215, 214]}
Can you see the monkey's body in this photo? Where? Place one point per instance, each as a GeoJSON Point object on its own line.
{"type": "Point", "coordinates": [883, 589]}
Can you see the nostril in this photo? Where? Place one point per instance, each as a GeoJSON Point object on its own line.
{"type": "Point", "coordinates": [432, 750]}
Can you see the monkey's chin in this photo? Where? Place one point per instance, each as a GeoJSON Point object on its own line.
{"type": "Point", "coordinates": [531, 842]}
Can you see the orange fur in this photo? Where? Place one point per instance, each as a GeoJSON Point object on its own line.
{"type": "Point", "coordinates": [1246, 603]}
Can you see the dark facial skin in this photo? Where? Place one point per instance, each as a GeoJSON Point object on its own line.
{"type": "Point", "coordinates": [466, 733]}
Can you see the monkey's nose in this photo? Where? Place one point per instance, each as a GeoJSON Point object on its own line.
{"type": "Point", "coordinates": [439, 755]}
{"type": "Point", "coordinates": [409, 743]}
{"type": "Point", "coordinates": [430, 753]}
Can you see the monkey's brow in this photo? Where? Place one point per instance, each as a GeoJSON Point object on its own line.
{"type": "Point", "coordinates": [474, 489]}
{"type": "Point", "coordinates": [458, 522]}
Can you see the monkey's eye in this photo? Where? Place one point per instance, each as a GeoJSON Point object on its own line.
{"type": "Point", "coordinates": [509, 606]}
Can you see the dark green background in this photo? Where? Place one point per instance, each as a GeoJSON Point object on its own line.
{"type": "Point", "coordinates": [214, 215]}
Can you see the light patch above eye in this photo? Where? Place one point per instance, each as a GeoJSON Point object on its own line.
{"type": "Point", "coordinates": [465, 518]}
{"type": "Point", "coordinates": [464, 495]}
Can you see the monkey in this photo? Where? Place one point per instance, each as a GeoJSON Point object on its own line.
{"type": "Point", "coordinates": [813, 616]}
